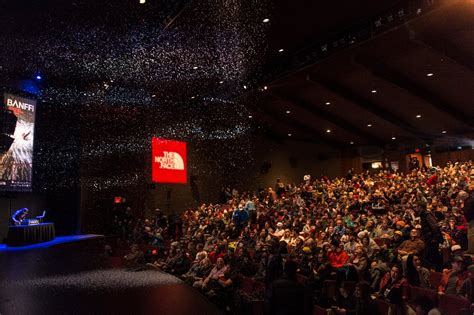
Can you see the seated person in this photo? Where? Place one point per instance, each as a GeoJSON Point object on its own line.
{"type": "Point", "coordinates": [412, 246]}
{"type": "Point", "coordinates": [19, 216]}
{"type": "Point", "coordinates": [452, 280]}
{"type": "Point", "coordinates": [394, 287]}
{"type": "Point", "coordinates": [218, 272]}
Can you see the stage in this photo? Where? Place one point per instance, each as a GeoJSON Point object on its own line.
{"type": "Point", "coordinates": [56, 241]}
{"type": "Point", "coordinates": [73, 275]}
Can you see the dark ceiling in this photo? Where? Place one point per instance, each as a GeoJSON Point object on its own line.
{"type": "Point", "coordinates": [153, 49]}
{"type": "Point", "coordinates": [384, 82]}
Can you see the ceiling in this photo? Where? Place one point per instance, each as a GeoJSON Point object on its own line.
{"type": "Point", "coordinates": [413, 83]}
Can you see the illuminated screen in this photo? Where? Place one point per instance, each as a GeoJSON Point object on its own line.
{"type": "Point", "coordinates": [168, 161]}
{"type": "Point", "coordinates": [16, 149]}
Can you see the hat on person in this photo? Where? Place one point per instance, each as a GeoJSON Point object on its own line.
{"type": "Point", "coordinates": [279, 224]}
{"type": "Point", "coordinates": [455, 248]}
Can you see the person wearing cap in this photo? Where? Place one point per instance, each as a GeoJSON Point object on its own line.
{"type": "Point", "coordinates": [452, 279]}
{"type": "Point", "coordinates": [467, 287]}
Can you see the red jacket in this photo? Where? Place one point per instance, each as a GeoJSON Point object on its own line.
{"type": "Point", "coordinates": [338, 260]}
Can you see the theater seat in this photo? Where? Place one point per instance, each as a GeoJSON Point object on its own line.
{"type": "Point", "coordinates": [450, 304]}
{"type": "Point", "coordinates": [417, 291]}
{"type": "Point", "coordinates": [318, 310]}
{"type": "Point", "coordinates": [382, 306]}
{"type": "Point", "coordinates": [435, 279]}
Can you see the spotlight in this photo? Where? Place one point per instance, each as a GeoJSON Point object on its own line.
{"type": "Point", "coordinates": [220, 82]}
{"type": "Point", "coordinates": [245, 87]}
{"type": "Point", "coordinates": [418, 116]}
{"type": "Point", "coordinates": [328, 130]}
{"type": "Point", "coordinates": [394, 138]}
{"type": "Point", "coordinates": [328, 103]}
{"type": "Point", "coordinates": [352, 142]}
{"type": "Point", "coordinates": [250, 116]}
{"type": "Point", "coordinates": [430, 74]}
{"type": "Point", "coordinates": [444, 131]}
{"type": "Point", "coordinates": [142, 1]}
{"type": "Point", "coordinates": [281, 50]}
{"type": "Point", "coordinates": [373, 91]}
{"type": "Point", "coordinates": [266, 20]}
{"type": "Point", "coordinates": [288, 112]}
{"type": "Point", "coordinates": [153, 95]}
{"type": "Point", "coordinates": [265, 87]}
{"type": "Point", "coordinates": [195, 67]}
{"type": "Point", "coordinates": [38, 77]}
{"type": "Point", "coordinates": [193, 97]}
{"type": "Point", "coordinates": [289, 135]}
{"type": "Point", "coordinates": [369, 125]}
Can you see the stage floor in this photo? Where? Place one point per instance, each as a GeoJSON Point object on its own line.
{"type": "Point", "coordinates": [74, 278]}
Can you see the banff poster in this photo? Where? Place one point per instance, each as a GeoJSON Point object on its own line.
{"type": "Point", "coordinates": [16, 163]}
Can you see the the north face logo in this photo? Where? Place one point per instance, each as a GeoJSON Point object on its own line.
{"type": "Point", "coordinates": [170, 161]}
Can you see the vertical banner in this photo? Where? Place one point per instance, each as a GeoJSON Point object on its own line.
{"type": "Point", "coordinates": [168, 161]}
{"type": "Point", "coordinates": [16, 147]}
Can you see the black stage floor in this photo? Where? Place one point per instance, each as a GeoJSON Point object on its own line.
{"type": "Point", "coordinates": [76, 279]}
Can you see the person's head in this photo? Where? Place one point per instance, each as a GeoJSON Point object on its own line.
{"type": "Point", "coordinates": [457, 264]}
{"type": "Point", "coordinates": [414, 234]}
{"type": "Point", "coordinates": [220, 262]}
{"type": "Point", "coordinates": [345, 289]}
{"type": "Point", "coordinates": [395, 273]}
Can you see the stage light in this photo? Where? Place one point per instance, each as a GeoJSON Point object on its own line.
{"type": "Point", "coordinates": [289, 135]}
{"type": "Point", "coordinates": [142, 1]}
{"type": "Point", "coordinates": [245, 87]}
{"type": "Point", "coordinates": [38, 77]}
{"type": "Point", "coordinates": [193, 97]}
{"type": "Point", "coordinates": [418, 116]}
{"type": "Point", "coordinates": [250, 116]}
{"type": "Point", "coordinates": [195, 67]}
{"type": "Point", "coordinates": [444, 131]}
{"type": "Point", "coordinates": [220, 82]}
{"type": "Point", "coordinates": [265, 87]}
{"type": "Point", "coordinates": [281, 50]}
{"type": "Point", "coordinates": [394, 138]}
{"type": "Point", "coordinates": [429, 74]}
{"type": "Point", "coordinates": [288, 112]}
{"type": "Point", "coordinates": [352, 142]}
{"type": "Point", "coordinates": [373, 91]}
{"type": "Point", "coordinates": [266, 20]}
{"type": "Point", "coordinates": [328, 130]}
{"type": "Point", "coordinates": [328, 103]}
{"type": "Point", "coordinates": [153, 95]}
{"type": "Point", "coordinates": [369, 125]}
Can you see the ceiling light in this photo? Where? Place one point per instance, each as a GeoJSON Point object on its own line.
{"type": "Point", "coordinates": [245, 87]}
{"type": "Point", "coordinates": [266, 20]}
{"type": "Point", "coordinates": [195, 67]}
{"type": "Point", "coordinates": [328, 130]}
{"type": "Point", "coordinates": [352, 142]}
{"type": "Point", "coordinates": [369, 125]}
{"type": "Point", "coordinates": [328, 103]}
{"type": "Point", "coordinates": [250, 116]}
{"type": "Point", "coordinates": [418, 116]}
{"type": "Point", "coordinates": [288, 112]}
{"type": "Point", "coordinates": [153, 95]}
{"type": "Point", "coordinates": [444, 131]}
{"type": "Point", "coordinates": [220, 82]}
{"type": "Point", "coordinates": [394, 138]}
{"type": "Point", "coordinates": [289, 135]}
{"type": "Point", "coordinates": [38, 77]}
{"type": "Point", "coordinates": [374, 91]}
{"type": "Point", "coordinates": [142, 1]}
{"type": "Point", "coordinates": [281, 50]}
{"type": "Point", "coordinates": [430, 74]}
{"type": "Point", "coordinates": [265, 87]}
{"type": "Point", "coordinates": [193, 97]}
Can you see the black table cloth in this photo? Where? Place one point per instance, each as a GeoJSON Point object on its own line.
{"type": "Point", "coordinates": [30, 234]}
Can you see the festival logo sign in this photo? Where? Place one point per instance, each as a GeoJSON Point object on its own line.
{"type": "Point", "coordinates": [168, 161]}
{"type": "Point", "coordinates": [16, 158]}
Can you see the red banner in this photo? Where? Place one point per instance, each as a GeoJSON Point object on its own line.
{"type": "Point", "coordinates": [168, 161]}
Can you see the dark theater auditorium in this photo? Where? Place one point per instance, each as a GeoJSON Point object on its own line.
{"type": "Point", "coordinates": [249, 157]}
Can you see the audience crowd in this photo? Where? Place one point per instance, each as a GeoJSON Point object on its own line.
{"type": "Point", "coordinates": [373, 235]}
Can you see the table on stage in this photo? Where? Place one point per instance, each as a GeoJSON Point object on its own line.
{"type": "Point", "coordinates": [22, 235]}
